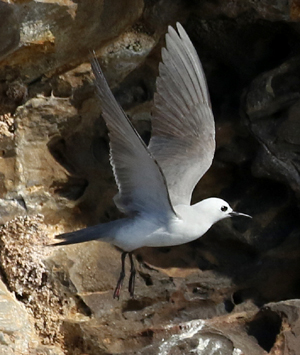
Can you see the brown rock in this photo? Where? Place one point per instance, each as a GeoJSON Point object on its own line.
{"type": "Point", "coordinates": [48, 31]}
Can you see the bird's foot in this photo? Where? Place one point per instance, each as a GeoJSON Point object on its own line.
{"type": "Point", "coordinates": [121, 278]}
{"type": "Point", "coordinates": [132, 283]}
{"type": "Point", "coordinates": [132, 276]}
{"type": "Point", "coordinates": [119, 286]}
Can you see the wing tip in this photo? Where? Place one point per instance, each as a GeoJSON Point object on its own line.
{"type": "Point", "coordinates": [179, 27]}
{"type": "Point", "coordinates": [180, 30]}
{"type": "Point", "coordinates": [96, 68]}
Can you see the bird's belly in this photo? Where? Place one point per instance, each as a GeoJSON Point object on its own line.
{"type": "Point", "coordinates": [137, 234]}
{"type": "Point", "coordinates": [176, 235]}
{"type": "Point", "coordinates": [166, 239]}
{"type": "Point", "coordinates": [146, 233]}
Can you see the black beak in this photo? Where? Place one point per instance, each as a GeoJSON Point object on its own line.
{"type": "Point", "coordinates": [236, 214]}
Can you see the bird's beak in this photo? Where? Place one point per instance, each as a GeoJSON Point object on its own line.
{"type": "Point", "coordinates": [236, 214]}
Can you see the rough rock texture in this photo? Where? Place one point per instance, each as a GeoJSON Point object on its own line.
{"type": "Point", "coordinates": [233, 291]}
{"type": "Point", "coordinates": [53, 33]}
{"type": "Point", "coordinates": [23, 249]}
{"type": "Point", "coordinates": [16, 330]}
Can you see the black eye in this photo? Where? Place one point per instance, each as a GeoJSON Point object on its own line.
{"type": "Point", "coordinates": [224, 208]}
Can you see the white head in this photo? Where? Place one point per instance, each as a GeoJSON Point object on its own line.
{"type": "Point", "coordinates": [216, 209]}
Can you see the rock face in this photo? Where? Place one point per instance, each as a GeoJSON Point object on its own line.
{"type": "Point", "coordinates": [233, 291]}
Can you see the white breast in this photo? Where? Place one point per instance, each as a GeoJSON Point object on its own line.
{"type": "Point", "coordinates": [151, 232]}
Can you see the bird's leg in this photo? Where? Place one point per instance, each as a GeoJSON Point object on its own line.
{"type": "Point", "coordinates": [121, 278]}
{"type": "Point", "coordinates": [132, 276]}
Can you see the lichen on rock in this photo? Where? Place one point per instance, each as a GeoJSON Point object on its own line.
{"type": "Point", "coordinates": [23, 244]}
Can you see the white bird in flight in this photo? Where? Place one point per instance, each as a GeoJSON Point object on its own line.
{"type": "Point", "coordinates": [156, 182]}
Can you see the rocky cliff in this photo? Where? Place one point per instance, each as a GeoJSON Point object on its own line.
{"type": "Point", "coordinates": [235, 290]}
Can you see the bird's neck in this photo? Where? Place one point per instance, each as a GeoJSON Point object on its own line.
{"type": "Point", "coordinates": [202, 210]}
{"type": "Point", "coordinates": [196, 220]}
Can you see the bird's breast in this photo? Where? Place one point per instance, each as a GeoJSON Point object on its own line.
{"type": "Point", "coordinates": [147, 231]}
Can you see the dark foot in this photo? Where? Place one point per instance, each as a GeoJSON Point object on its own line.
{"type": "Point", "coordinates": [132, 276]}
{"type": "Point", "coordinates": [119, 286]}
{"type": "Point", "coordinates": [121, 278]}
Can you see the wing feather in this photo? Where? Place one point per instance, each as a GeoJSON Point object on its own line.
{"type": "Point", "coordinates": [183, 131]}
{"type": "Point", "coordinates": [141, 183]}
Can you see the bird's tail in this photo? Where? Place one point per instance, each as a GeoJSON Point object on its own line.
{"type": "Point", "coordinates": [105, 232]}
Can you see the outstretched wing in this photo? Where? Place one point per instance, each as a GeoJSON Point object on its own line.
{"type": "Point", "coordinates": [183, 129]}
{"type": "Point", "coordinates": [142, 186]}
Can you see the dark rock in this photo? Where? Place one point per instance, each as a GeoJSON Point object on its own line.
{"type": "Point", "coordinates": [271, 106]}
{"type": "Point", "coordinates": [9, 29]}
{"type": "Point", "coordinates": [279, 323]}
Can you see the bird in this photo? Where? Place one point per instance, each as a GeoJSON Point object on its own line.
{"type": "Point", "coordinates": [155, 182]}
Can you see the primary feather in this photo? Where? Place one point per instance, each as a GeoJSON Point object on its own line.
{"type": "Point", "coordinates": [141, 184]}
{"type": "Point", "coordinates": [183, 130]}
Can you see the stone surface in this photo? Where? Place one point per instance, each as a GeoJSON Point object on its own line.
{"type": "Point", "coordinates": [54, 33]}
{"type": "Point", "coordinates": [288, 311]}
{"type": "Point", "coordinates": [9, 29]}
{"type": "Point", "coordinates": [269, 10]}
{"type": "Point", "coordinates": [272, 105]}
{"type": "Point", "coordinates": [17, 333]}
{"type": "Point", "coordinates": [23, 250]}
{"type": "Point", "coordinates": [233, 291]}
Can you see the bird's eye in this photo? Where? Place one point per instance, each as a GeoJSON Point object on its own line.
{"type": "Point", "coordinates": [224, 208]}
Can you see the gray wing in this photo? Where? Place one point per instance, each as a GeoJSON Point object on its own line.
{"type": "Point", "coordinates": [183, 129]}
{"type": "Point", "coordinates": [142, 186]}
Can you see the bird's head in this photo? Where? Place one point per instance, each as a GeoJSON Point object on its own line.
{"type": "Point", "coordinates": [216, 209]}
